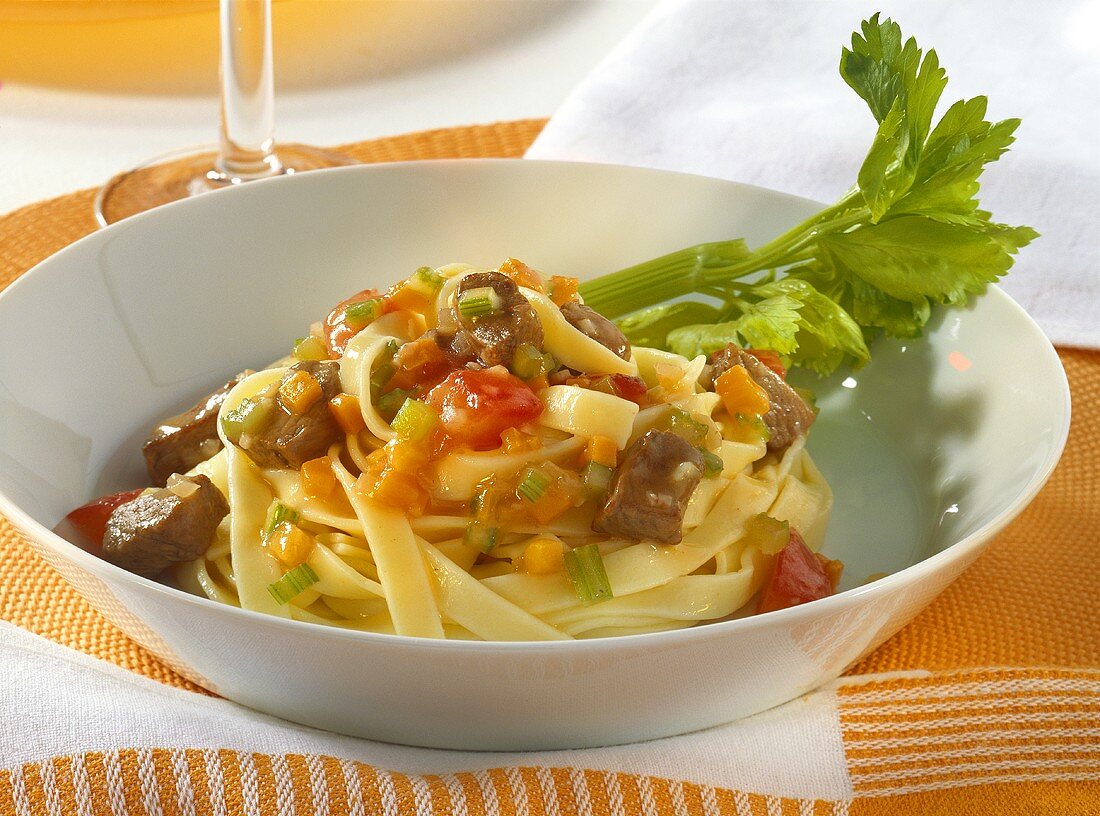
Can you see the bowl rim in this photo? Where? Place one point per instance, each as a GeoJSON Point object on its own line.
{"type": "Point", "coordinates": [971, 544]}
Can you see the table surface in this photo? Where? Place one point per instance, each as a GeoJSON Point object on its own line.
{"type": "Point", "coordinates": [368, 68]}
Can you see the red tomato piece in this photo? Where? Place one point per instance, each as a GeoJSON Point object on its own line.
{"type": "Point", "coordinates": [770, 359]}
{"type": "Point", "coordinates": [629, 388]}
{"type": "Point", "coordinates": [799, 577]}
{"type": "Point", "coordinates": [336, 328]}
{"type": "Point", "coordinates": [477, 406]}
{"type": "Point", "coordinates": [91, 518]}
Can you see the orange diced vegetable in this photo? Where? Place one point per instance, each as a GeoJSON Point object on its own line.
{"type": "Point", "coordinates": [408, 457]}
{"type": "Point", "coordinates": [318, 480]}
{"type": "Point", "coordinates": [544, 556]}
{"type": "Point", "coordinates": [538, 383]}
{"type": "Point", "coordinates": [347, 412]}
{"type": "Point", "coordinates": [563, 289]}
{"type": "Point", "coordinates": [291, 545]}
{"type": "Point", "coordinates": [405, 295]}
{"type": "Point", "coordinates": [298, 393]}
{"type": "Point", "coordinates": [740, 393]}
{"type": "Point", "coordinates": [393, 488]}
{"type": "Point", "coordinates": [552, 504]}
{"type": "Point", "coordinates": [602, 450]}
{"type": "Point", "coordinates": [516, 441]}
{"type": "Point", "coordinates": [521, 274]}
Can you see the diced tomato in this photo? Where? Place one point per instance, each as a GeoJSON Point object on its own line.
{"type": "Point", "coordinates": [476, 407]}
{"type": "Point", "coordinates": [799, 577]}
{"type": "Point", "coordinates": [629, 388]}
{"type": "Point", "coordinates": [91, 518]}
{"type": "Point", "coordinates": [770, 359]}
{"type": "Point", "coordinates": [336, 328]}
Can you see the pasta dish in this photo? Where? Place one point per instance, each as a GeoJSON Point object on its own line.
{"type": "Point", "coordinates": [477, 454]}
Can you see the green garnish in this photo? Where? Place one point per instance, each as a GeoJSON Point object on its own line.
{"type": "Point", "coordinates": [712, 463]}
{"type": "Point", "coordinates": [769, 534]}
{"type": "Point", "coordinates": [415, 420]}
{"type": "Point", "coordinates": [383, 369]}
{"type": "Point", "coordinates": [247, 418]}
{"type": "Point", "coordinates": [909, 235]}
{"type": "Point", "coordinates": [586, 571]}
{"type": "Point", "coordinates": [480, 302]}
{"type": "Point", "coordinates": [533, 484]}
{"type": "Point", "coordinates": [293, 583]}
{"type": "Point", "coordinates": [310, 348]}
{"type": "Point", "coordinates": [279, 513]}
{"type": "Point", "coordinates": [528, 361]}
{"type": "Point", "coordinates": [389, 404]}
{"type": "Point", "coordinates": [480, 536]}
{"type": "Point", "coordinates": [359, 315]}
{"type": "Point", "coordinates": [427, 279]}
{"type": "Point", "coordinates": [684, 425]}
{"type": "Point", "coordinates": [597, 478]}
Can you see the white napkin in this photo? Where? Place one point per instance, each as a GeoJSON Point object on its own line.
{"type": "Point", "coordinates": [57, 702]}
{"type": "Point", "coordinates": [750, 91]}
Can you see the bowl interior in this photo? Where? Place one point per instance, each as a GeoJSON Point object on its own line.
{"type": "Point", "coordinates": [933, 440]}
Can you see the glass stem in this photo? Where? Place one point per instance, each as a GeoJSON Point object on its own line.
{"type": "Point", "coordinates": [247, 144]}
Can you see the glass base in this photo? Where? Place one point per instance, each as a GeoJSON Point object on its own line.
{"type": "Point", "coordinates": [185, 173]}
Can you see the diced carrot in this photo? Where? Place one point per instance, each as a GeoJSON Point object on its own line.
{"type": "Point", "coordinates": [544, 556]}
{"type": "Point", "coordinates": [740, 393]}
{"type": "Point", "coordinates": [347, 412]}
{"type": "Point", "coordinates": [317, 478]}
{"type": "Point", "coordinates": [521, 274]}
{"type": "Point", "coordinates": [405, 295]}
{"type": "Point", "coordinates": [602, 450]}
{"type": "Point", "coordinates": [563, 289]}
{"type": "Point", "coordinates": [408, 457]}
{"type": "Point", "coordinates": [298, 393]}
{"type": "Point", "coordinates": [538, 383]}
{"type": "Point", "coordinates": [291, 545]}
{"type": "Point", "coordinates": [395, 489]}
{"type": "Point", "coordinates": [551, 504]}
{"type": "Point", "coordinates": [516, 441]}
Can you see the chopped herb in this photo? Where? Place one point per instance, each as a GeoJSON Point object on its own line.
{"type": "Point", "coordinates": [293, 583]}
{"type": "Point", "coordinates": [480, 302]}
{"type": "Point", "coordinates": [480, 536]}
{"type": "Point", "coordinates": [587, 572]}
{"type": "Point", "coordinates": [533, 484]}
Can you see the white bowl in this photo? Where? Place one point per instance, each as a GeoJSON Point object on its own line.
{"type": "Point", "coordinates": [931, 449]}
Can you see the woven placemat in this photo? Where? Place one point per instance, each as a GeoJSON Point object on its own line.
{"type": "Point", "coordinates": [1033, 599]}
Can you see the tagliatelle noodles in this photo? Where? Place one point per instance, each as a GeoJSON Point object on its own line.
{"type": "Point", "coordinates": [381, 571]}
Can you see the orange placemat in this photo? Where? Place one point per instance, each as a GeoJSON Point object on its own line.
{"type": "Point", "coordinates": [1033, 599]}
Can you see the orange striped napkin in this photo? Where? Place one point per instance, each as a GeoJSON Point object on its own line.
{"type": "Point", "coordinates": [989, 703]}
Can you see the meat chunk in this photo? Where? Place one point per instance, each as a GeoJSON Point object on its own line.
{"type": "Point", "coordinates": [651, 489]}
{"type": "Point", "coordinates": [789, 416]}
{"type": "Point", "coordinates": [590, 322]}
{"type": "Point", "coordinates": [459, 348]}
{"type": "Point", "coordinates": [165, 527]}
{"type": "Point", "coordinates": [495, 337]}
{"type": "Point", "coordinates": [182, 441]}
{"type": "Point", "coordinates": [289, 440]}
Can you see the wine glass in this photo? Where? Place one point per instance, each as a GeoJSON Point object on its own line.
{"type": "Point", "coordinates": [246, 148]}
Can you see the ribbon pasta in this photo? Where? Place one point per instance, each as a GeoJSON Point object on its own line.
{"type": "Point", "coordinates": [378, 570]}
